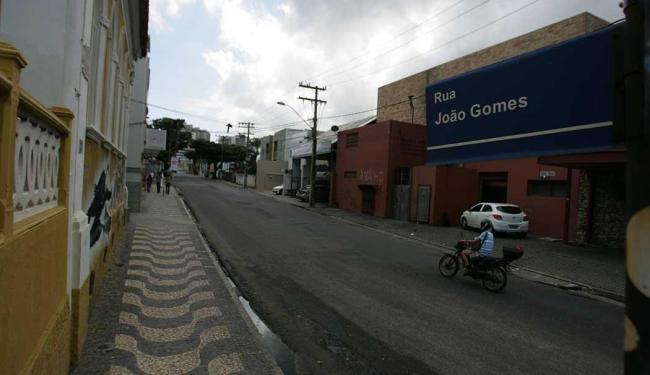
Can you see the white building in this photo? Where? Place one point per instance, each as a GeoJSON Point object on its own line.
{"type": "Point", "coordinates": [137, 133]}
{"type": "Point", "coordinates": [80, 59]}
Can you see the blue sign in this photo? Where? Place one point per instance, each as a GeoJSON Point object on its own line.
{"type": "Point", "coordinates": [556, 100]}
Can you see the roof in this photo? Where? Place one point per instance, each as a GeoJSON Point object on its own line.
{"type": "Point", "coordinates": [333, 137]}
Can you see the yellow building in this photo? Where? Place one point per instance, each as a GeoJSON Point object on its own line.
{"type": "Point", "coordinates": [66, 75]}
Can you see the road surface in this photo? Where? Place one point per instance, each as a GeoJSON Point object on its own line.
{"type": "Point", "coordinates": [347, 299]}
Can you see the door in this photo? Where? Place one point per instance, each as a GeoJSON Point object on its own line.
{"type": "Point", "coordinates": [367, 200]}
{"type": "Point", "coordinates": [494, 187]}
{"type": "Point", "coordinates": [424, 204]}
{"type": "Point", "coordinates": [401, 194]}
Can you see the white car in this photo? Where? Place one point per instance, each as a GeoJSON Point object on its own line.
{"type": "Point", "coordinates": [278, 190]}
{"type": "Point", "coordinates": [505, 218]}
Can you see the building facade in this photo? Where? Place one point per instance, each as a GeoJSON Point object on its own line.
{"type": "Point", "coordinates": [137, 133]}
{"type": "Point", "coordinates": [564, 199]}
{"type": "Point", "coordinates": [69, 86]}
{"type": "Point", "coordinates": [374, 166]}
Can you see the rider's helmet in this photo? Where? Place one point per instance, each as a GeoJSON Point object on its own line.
{"type": "Point", "coordinates": [486, 225]}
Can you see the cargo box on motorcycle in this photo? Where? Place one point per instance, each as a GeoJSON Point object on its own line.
{"type": "Point", "coordinates": [511, 253]}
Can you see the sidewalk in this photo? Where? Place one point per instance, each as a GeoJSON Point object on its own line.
{"type": "Point", "coordinates": [592, 269]}
{"type": "Point", "coordinates": [165, 306]}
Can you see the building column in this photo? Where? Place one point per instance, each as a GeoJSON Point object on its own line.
{"type": "Point", "coordinates": [75, 97]}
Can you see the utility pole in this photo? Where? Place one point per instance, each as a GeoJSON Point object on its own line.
{"type": "Point", "coordinates": [248, 126]}
{"type": "Point", "coordinates": [222, 147]}
{"type": "Point", "coordinates": [314, 134]}
{"type": "Point", "coordinates": [636, 82]}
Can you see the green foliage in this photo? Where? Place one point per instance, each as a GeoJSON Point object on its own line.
{"type": "Point", "coordinates": [177, 137]}
{"type": "Point", "coordinates": [211, 152]}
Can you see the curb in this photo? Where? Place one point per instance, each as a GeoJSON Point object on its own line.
{"type": "Point", "coordinates": [541, 277]}
{"type": "Point", "coordinates": [575, 287]}
{"type": "Point", "coordinates": [230, 287]}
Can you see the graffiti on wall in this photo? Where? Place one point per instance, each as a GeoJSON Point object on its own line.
{"type": "Point", "coordinates": [104, 193]}
{"type": "Point", "coordinates": [370, 177]}
{"type": "Point", "coordinates": [98, 216]}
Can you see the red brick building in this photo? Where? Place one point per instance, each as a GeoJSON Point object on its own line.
{"type": "Point", "coordinates": [373, 167]}
{"type": "Point", "coordinates": [380, 172]}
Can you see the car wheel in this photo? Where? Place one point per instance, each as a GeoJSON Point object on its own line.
{"type": "Point", "coordinates": [463, 223]}
{"type": "Point", "coordinates": [280, 192]}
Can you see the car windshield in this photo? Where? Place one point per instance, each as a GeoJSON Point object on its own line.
{"type": "Point", "coordinates": [509, 209]}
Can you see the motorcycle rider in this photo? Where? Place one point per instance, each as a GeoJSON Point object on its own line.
{"type": "Point", "coordinates": [486, 242]}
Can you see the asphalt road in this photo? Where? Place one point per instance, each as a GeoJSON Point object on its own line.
{"type": "Point", "coordinates": [348, 299]}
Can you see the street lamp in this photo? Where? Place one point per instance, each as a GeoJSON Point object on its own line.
{"type": "Point", "coordinates": [312, 174]}
{"type": "Point", "coordinates": [293, 109]}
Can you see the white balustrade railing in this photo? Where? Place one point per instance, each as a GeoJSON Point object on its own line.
{"type": "Point", "coordinates": [36, 185]}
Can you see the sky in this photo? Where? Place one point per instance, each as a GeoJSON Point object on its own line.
{"type": "Point", "coordinates": [231, 61]}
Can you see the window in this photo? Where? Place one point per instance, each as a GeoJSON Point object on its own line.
{"type": "Point", "coordinates": [509, 209]}
{"type": "Point", "coordinates": [402, 176]}
{"type": "Point", "coordinates": [275, 150]}
{"type": "Point", "coordinates": [350, 174]}
{"type": "Point", "coordinates": [556, 189]}
{"type": "Point", "coordinates": [487, 208]}
{"type": "Point", "coordinates": [352, 140]}
{"type": "Point", "coordinates": [476, 208]}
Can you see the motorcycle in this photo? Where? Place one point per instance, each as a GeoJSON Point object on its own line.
{"type": "Point", "coordinates": [492, 271]}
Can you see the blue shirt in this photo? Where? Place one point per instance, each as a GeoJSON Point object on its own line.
{"type": "Point", "coordinates": [488, 243]}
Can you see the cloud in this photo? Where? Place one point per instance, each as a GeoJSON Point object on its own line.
{"type": "Point", "coordinates": [222, 62]}
{"type": "Point", "coordinates": [161, 11]}
{"type": "Point", "coordinates": [257, 52]}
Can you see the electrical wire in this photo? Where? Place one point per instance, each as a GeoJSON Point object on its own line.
{"type": "Point", "coordinates": [436, 47]}
{"type": "Point", "coordinates": [408, 42]}
{"type": "Point", "coordinates": [333, 68]}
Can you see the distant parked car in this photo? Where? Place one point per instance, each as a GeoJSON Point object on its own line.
{"type": "Point", "coordinates": [303, 194]}
{"type": "Point", "coordinates": [505, 218]}
{"type": "Point", "coordinates": [278, 189]}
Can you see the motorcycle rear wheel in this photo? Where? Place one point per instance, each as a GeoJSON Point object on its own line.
{"type": "Point", "coordinates": [448, 265]}
{"type": "Point", "coordinates": [494, 279]}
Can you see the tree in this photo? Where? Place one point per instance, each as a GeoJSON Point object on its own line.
{"type": "Point", "coordinates": [177, 137]}
{"type": "Point", "coordinates": [211, 152]}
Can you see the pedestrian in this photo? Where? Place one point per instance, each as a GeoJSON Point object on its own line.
{"type": "Point", "coordinates": [149, 180]}
{"type": "Point", "coordinates": [158, 181]}
{"type": "Point", "coordinates": [168, 182]}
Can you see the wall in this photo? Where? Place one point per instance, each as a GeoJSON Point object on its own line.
{"type": "Point", "coordinates": [369, 162]}
{"type": "Point", "coordinates": [250, 181]}
{"type": "Point", "coordinates": [266, 148]}
{"type": "Point", "coordinates": [453, 190]}
{"type": "Point", "coordinates": [269, 174]}
{"type": "Point", "coordinates": [137, 133]}
{"type": "Point", "coordinates": [382, 147]}
{"type": "Point", "coordinates": [104, 198]}
{"type": "Point", "coordinates": [34, 307]}
{"type": "Point", "coordinates": [546, 214]}
{"type": "Point", "coordinates": [138, 114]}
{"type": "Point", "coordinates": [398, 91]}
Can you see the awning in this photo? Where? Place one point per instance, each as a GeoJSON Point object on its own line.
{"type": "Point", "coordinates": [592, 160]}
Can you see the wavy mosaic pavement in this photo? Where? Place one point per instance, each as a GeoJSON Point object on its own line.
{"type": "Point", "coordinates": [168, 300]}
{"type": "Point", "coordinates": [165, 307]}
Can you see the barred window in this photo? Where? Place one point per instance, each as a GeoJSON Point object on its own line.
{"type": "Point", "coordinates": [352, 140]}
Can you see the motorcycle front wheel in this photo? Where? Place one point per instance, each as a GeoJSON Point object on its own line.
{"type": "Point", "coordinates": [494, 279]}
{"type": "Point", "coordinates": [448, 265]}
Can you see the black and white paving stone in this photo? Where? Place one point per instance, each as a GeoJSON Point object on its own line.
{"type": "Point", "coordinates": [165, 308]}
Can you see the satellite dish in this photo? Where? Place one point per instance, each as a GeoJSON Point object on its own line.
{"type": "Point", "coordinates": [334, 128]}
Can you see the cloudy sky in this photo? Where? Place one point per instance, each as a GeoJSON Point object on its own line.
{"type": "Point", "coordinates": [231, 60]}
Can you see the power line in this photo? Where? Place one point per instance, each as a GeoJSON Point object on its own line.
{"type": "Point", "coordinates": [438, 46]}
{"type": "Point", "coordinates": [178, 111]}
{"type": "Point", "coordinates": [408, 42]}
{"type": "Point", "coordinates": [394, 38]}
